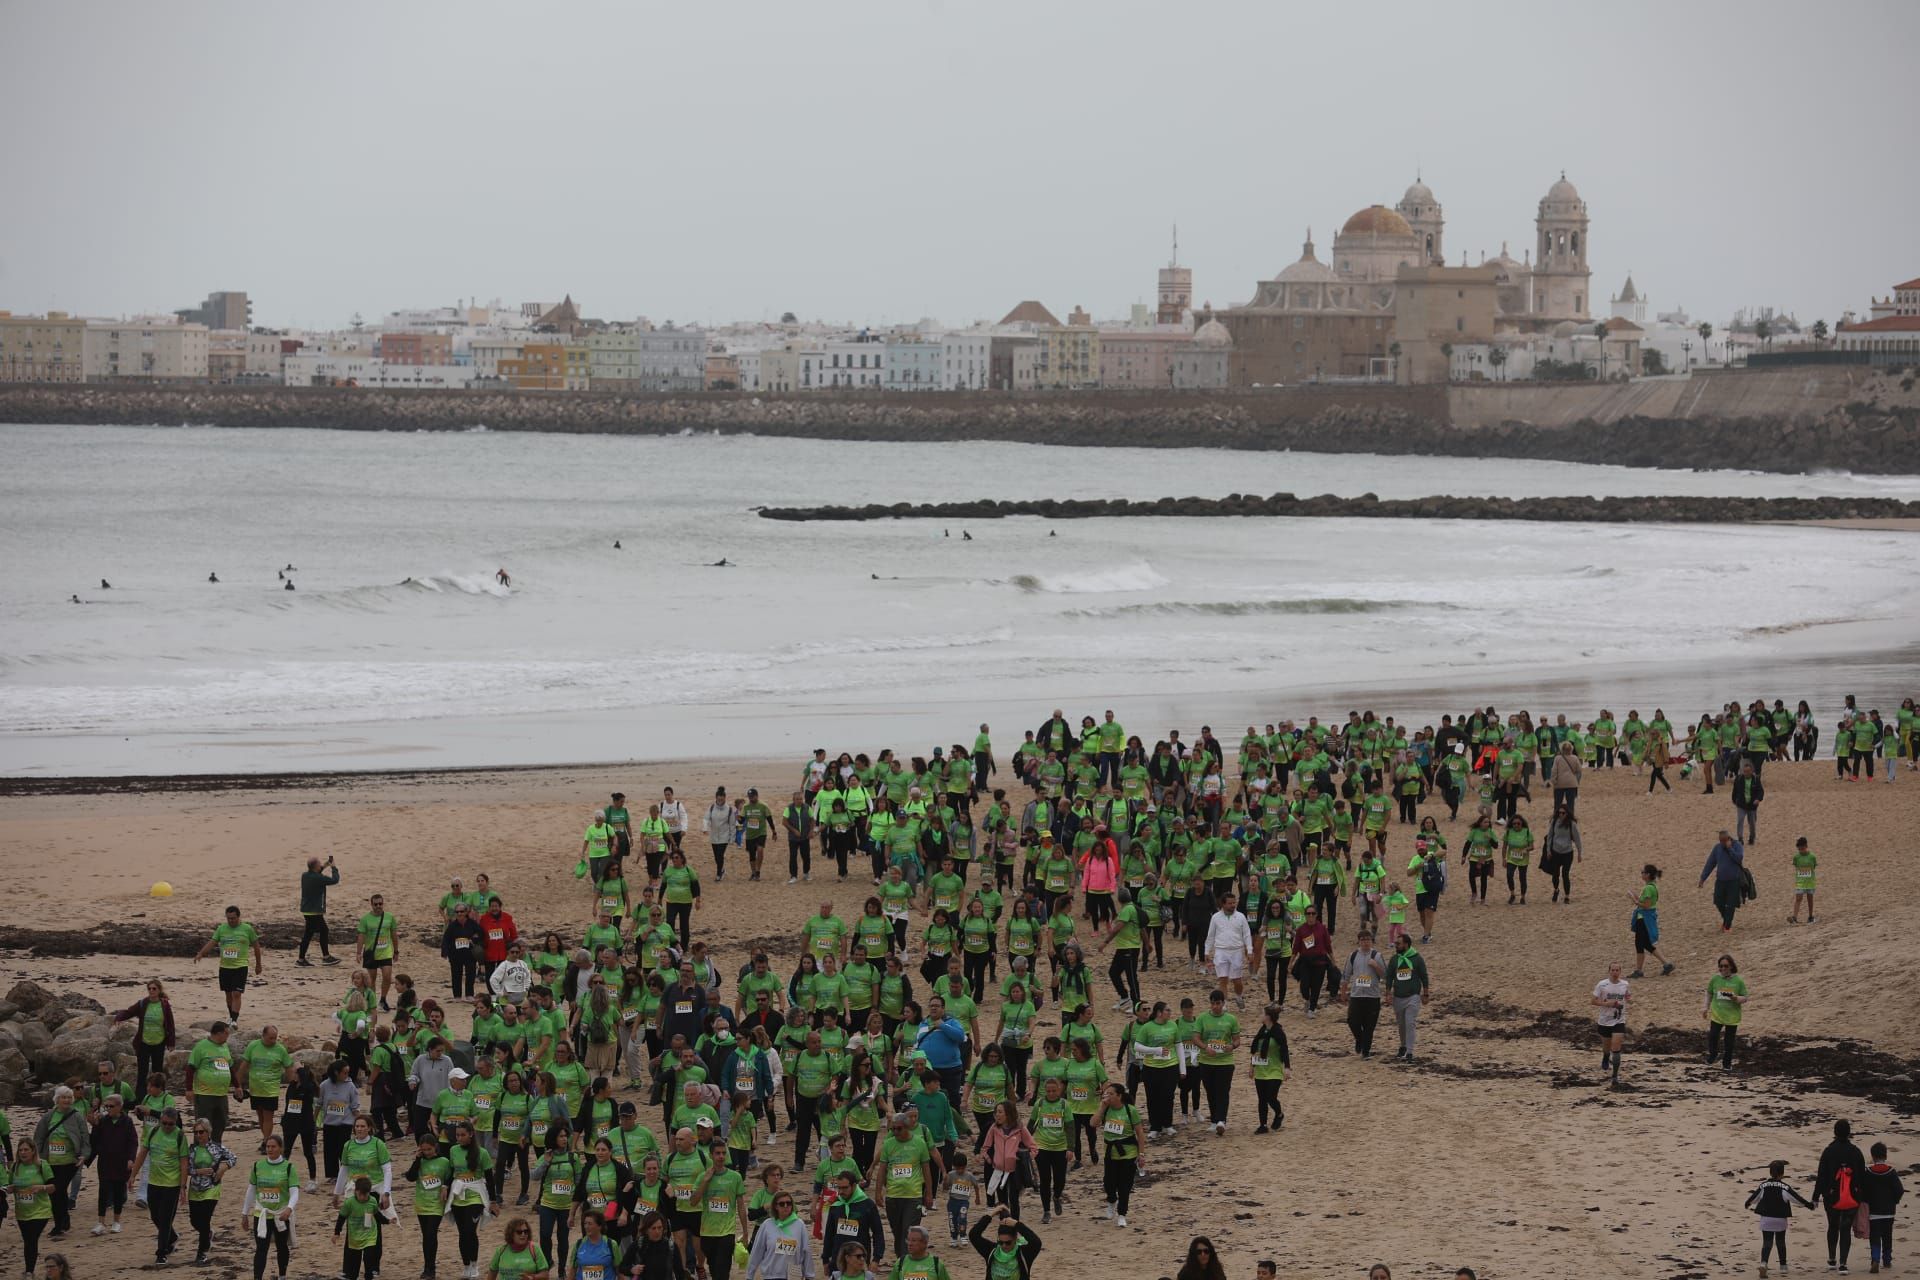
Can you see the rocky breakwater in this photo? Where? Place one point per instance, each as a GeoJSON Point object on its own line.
{"type": "Point", "coordinates": [1581, 509]}
{"type": "Point", "coordinates": [47, 1040]}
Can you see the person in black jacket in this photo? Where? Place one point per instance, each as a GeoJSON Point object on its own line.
{"type": "Point", "coordinates": [462, 943]}
{"type": "Point", "coordinates": [1014, 1243]}
{"type": "Point", "coordinates": [853, 1219]}
{"type": "Point", "coordinates": [1773, 1200]}
{"type": "Point", "coordinates": [1056, 735]}
{"type": "Point", "coordinates": [1883, 1190]}
{"type": "Point", "coordinates": [652, 1255]}
{"type": "Point", "coordinates": [1747, 795]}
{"type": "Point", "coordinates": [1840, 1194]}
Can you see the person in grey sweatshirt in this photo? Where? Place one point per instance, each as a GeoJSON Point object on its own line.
{"type": "Point", "coordinates": [780, 1245]}
{"type": "Point", "coordinates": [722, 820]}
{"type": "Point", "coordinates": [1361, 985]}
{"type": "Point", "coordinates": [431, 1072]}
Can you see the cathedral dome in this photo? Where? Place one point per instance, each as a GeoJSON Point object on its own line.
{"type": "Point", "coordinates": [1376, 220]}
{"type": "Point", "coordinates": [1563, 192]}
{"type": "Point", "coordinates": [1417, 194]}
{"type": "Point", "coordinates": [1212, 334]}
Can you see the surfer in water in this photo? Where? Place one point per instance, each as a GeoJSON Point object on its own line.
{"type": "Point", "coordinates": [721, 563]}
{"type": "Point", "coordinates": [616, 544]}
{"type": "Point", "coordinates": [77, 600]}
{"type": "Point", "coordinates": [105, 585]}
{"type": "Point", "coordinates": [213, 577]}
{"type": "Point", "coordinates": [289, 585]}
{"type": "Point", "coordinates": [502, 577]}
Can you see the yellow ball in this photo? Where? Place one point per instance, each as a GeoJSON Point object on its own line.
{"type": "Point", "coordinates": [161, 889]}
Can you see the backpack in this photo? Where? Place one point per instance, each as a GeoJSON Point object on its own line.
{"type": "Point", "coordinates": [1433, 877]}
{"type": "Point", "coordinates": [1843, 1197]}
{"type": "Point", "coordinates": [1748, 889]}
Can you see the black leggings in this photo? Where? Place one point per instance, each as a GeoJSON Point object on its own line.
{"type": "Point", "coordinates": [1277, 978]}
{"type": "Point", "coordinates": [806, 1123]}
{"type": "Point", "coordinates": [1083, 1124]}
{"type": "Point", "coordinates": [1053, 1177]}
{"type": "Point", "coordinates": [300, 1130]}
{"type": "Point", "coordinates": [148, 1060]}
{"type": "Point", "coordinates": [200, 1214]}
{"type": "Point", "coordinates": [680, 919]}
{"type": "Point", "coordinates": [333, 1140]}
{"type": "Point", "coordinates": [280, 1241]}
{"type": "Point", "coordinates": [1311, 973]}
{"type": "Point", "coordinates": [1777, 1241]}
{"type": "Point", "coordinates": [1479, 875]}
{"type": "Point", "coordinates": [1327, 899]}
{"type": "Point", "coordinates": [1267, 1092]}
{"type": "Point", "coordinates": [1714, 1041]}
{"type": "Point", "coordinates": [1099, 908]}
{"type": "Point", "coordinates": [1522, 870]}
{"type": "Point", "coordinates": [466, 1220]}
{"type": "Point", "coordinates": [1660, 776]}
{"type": "Point", "coordinates": [974, 964]}
{"type": "Point", "coordinates": [1559, 869]}
{"type": "Point", "coordinates": [1156, 942]}
{"type": "Point", "coordinates": [352, 1260]}
{"type": "Point", "coordinates": [1218, 1081]}
{"type": "Point", "coordinates": [163, 1205]}
{"type": "Point", "coordinates": [1119, 1181]}
{"type": "Point", "coordinates": [430, 1240]}
{"type": "Point", "coordinates": [1839, 1236]}
{"type": "Point", "coordinates": [30, 1240]}
{"type": "Point", "coordinates": [719, 859]}
{"type": "Point", "coordinates": [719, 1254]}
{"type": "Point", "coordinates": [799, 855]}
{"type": "Point", "coordinates": [1196, 941]}
{"type": "Point", "coordinates": [1161, 1083]}
{"type": "Point", "coordinates": [1125, 973]}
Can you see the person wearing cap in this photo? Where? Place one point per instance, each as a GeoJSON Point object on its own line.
{"type": "Point", "coordinates": [756, 824]}
{"type": "Point", "coordinates": [454, 1106]}
{"type": "Point", "coordinates": [1010, 1252]}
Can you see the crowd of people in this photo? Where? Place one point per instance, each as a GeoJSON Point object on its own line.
{"type": "Point", "coordinates": [867, 1045]}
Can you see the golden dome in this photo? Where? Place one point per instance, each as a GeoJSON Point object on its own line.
{"type": "Point", "coordinates": [1376, 220]}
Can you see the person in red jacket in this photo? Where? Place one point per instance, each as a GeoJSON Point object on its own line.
{"type": "Point", "coordinates": [1312, 957]}
{"type": "Point", "coordinates": [499, 932]}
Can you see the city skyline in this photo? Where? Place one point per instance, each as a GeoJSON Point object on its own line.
{"type": "Point", "coordinates": [878, 165]}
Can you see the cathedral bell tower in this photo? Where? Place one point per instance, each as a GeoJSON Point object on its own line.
{"type": "Point", "coordinates": [1422, 213]}
{"type": "Point", "coordinates": [1560, 274]}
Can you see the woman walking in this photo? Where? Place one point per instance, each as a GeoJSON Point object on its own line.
{"type": "Point", "coordinates": [1658, 757]}
{"type": "Point", "coordinates": [1121, 1129]}
{"type": "Point", "coordinates": [1726, 998]}
{"type": "Point", "coordinates": [273, 1192]}
{"type": "Point", "coordinates": [31, 1180]}
{"type": "Point", "coordinates": [154, 1015]}
{"type": "Point", "coordinates": [1270, 1065]}
{"type": "Point", "coordinates": [296, 1118]}
{"type": "Point", "coordinates": [1558, 853]}
{"type": "Point", "coordinates": [1646, 923]}
{"type": "Point", "coordinates": [207, 1166]}
{"type": "Point", "coordinates": [1010, 1151]}
{"type": "Point", "coordinates": [1519, 845]}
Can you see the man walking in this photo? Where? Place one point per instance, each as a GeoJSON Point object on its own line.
{"type": "Point", "coordinates": [1361, 982]}
{"type": "Point", "coordinates": [313, 909]}
{"type": "Point", "coordinates": [234, 939]}
{"type": "Point", "coordinates": [379, 946]}
{"type": "Point", "coordinates": [1230, 947]}
{"type": "Point", "coordinates": [1726, 863]}
{"type": "Point", "coordinates": [1407, 973]}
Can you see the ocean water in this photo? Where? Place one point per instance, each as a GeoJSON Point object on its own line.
{"type": "Point", "coordinates": [400, 649]}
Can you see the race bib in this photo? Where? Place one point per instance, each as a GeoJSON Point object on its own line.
{"type": "Point", "coordinates": [1306, 944]}
{"type": "Point", "coordinates": [295, 1106]}
{"type": "Point", "coordinates": [680, 1190]}
{"type": "Point", "coordinates": [1153, 1051]}
{"type": "Point", "coordinates": [1114, 1129]}
{"type": "Point", "coordinates": [229, 951]}
{"type": "Point", "coordinates": [1259, 1061]}
{"type": "Point", "coordinates": [429, 1183]}
{"type": "Point", "coordinates": [598, 1200]}
{"type": "Point", "coordinates": [590, 1271]}
{"type": "Point", "coordinates": [336, 1113]}
{"type": "Point", "coordinates": [902, 1172]}
{"type": "Point", "coordinates": [496, 935]}
{"type": "Point", "coordinates": [57, 1146]}
{"type": "Point", "coordinates": [683, 1006]}
{"type": "Point", "coordinates": [510, 1124]}
{"type": "Point", "coordinates": [561, 1187]}
{"type": "Point", "coordinates": [483, 1102]}
{"type": "Point", "coordinates": [786, 1246]}
{"type": "Point", "coordinates": [462, 944]}
{"type": "Point", "coordinates": [1052, 1122]}
{"type": "Point", "coordinates": [849, 1227]}
{"type": "Point", "coordinates": [1080, 1093]}
{"type": "Point", "coordinates": [719, 1206]}
{"type": "Point", "coordinates": [1216, 1046]}
{"type": "Point", "coordinates": [743, 1083]}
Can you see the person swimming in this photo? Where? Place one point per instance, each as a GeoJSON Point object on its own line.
{"type": "Point", "coordinates": [213, 577]}
{"type": "Point", "coordinates": [965, 536]}
{"type": "Point", "coordinates": [105, 585]}
{"type": "Point", "coordinates": [290, 568]}
{"type": "Point", "coordinates": [616, 544]}
{"type": "Point", "coordinates": [289, 585]}
{"type": "Point", "coordinates": [77, 600]}
{"type": "Point", "coordinates": [721, 563]}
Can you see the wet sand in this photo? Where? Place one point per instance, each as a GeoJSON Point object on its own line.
{"type": "Point", "coordinates": [1499, 1150]}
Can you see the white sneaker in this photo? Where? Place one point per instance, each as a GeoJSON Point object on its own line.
{"type": "Point", "coordinates": [99, 1229]}
{"type": "Point", "coordinates": [793, 879]}
{"type": "Point", "coordinates": [1122, 1220]}
{"type": "Point", "coordinates": [115, 1228]}
{"type": "Point", "coordinates": [311, 1186]}
{"type": "Point", "coordinates": [1109, 1211]}
{"type": "Point", "coordinates": [1220, 1128]}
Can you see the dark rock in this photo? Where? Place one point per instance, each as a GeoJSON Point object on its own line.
{"type": "Point", "coordinates": [28, 995]}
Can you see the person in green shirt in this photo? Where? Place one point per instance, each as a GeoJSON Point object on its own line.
{"type": "Point", "coordinates": [519, 1258]}
{"type": "Point", "coordinates": [722, 1200]}
{"type": "Point", "coordinates": [1125, 939]}
{"type": "Point", "coordinates": [906, 1171]}
{"type": "Point", "coordinates": [431, 1174]}
{"type": "Point", "coordinates": [1216, 1036]}
{"type": "Point", "coordinates": [263, 1071]}
{"type": "Point", "coordinates": [1726, 999]}
{"type": "Point", "coordinates": [1119, 1125]}
{"type": "Point", "coordinates": [211, 1064]}
{"type": "Point", "coordinates": [234, 939]}
{"type": "Point", "coordinates": [379, 945]}
{"type": "Point", "coordinates": [359, 1218]}
{"type": "Point", "coordinates": [273, 1190]}
{"type": "Point", "coordinates": [1804, 864]}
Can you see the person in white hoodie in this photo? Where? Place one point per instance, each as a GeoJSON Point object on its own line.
{"type": "Point", "coordinates": [512, 978]}
{"type": "Point", "coordinates": [674, 814]}
{"type": "Point", "coordinates": [1230, 946]}
{"type": "Point", "coordinates": [720, 824]}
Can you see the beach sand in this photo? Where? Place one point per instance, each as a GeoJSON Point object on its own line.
{"type": "Point", "coordinates": [1499, 1150]}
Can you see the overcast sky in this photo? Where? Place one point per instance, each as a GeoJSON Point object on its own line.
{"type": "Point", "coordinates": [879, 162]}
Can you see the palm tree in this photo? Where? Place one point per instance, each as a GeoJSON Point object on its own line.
{"type": "Point", "coordinates": [1706, 331]}
{"type": "Point", "coordinates": [1394, 351]}
{"type": "Point", "coordinates": [1600, 333]}
{"type": "Point", "coordinates": [1819, 330]}
{"type": "Point", "coordinates": [1446, 349]}
{"type": "Point", "coordinates": [1497, 357]}
{"type": "Point", "coordinates": [1763, 331]}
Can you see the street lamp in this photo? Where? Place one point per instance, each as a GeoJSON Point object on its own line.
{"type": "Point", "coordinates": [1686, 351]}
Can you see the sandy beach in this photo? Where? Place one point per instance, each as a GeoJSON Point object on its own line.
{"type": "Point", "coordinates": [1499, 1150]}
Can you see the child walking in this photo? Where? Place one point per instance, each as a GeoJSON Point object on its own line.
{"type": "Point", "coordinates": [1881, 1190]}
{"type": "Point", "coordinates": [1773, 1200]}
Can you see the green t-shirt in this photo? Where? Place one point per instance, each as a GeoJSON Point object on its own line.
{"type": "Point", "coordinates": [905, 1163]}
{"type": "Point", "coordinates": [1128, 937]}
{"type": "Point", "coordinates": [1155, 1041]}
{"type": "Point", "coordinates": [234, 942]}
{"type": "Point", "coordinates": [364, 1159]}
{"type": "Point", "coordinates": [200, 1163]}
{"type": "Point", "coordinates": [267, 1068]}
{"type": "Point", "coordinates": [362, 1219]}
{"type": "Point", "coordinates": [516, 1264]}
{"type": "Point", "coordinates": [153, 1023]}
{"type": "Point", "coordinates": [1721, 1005]}
{"type": "Point", "coordinates": [376, 934]}
{"type": "Point", "coordinates": [1051, 1124]}
{"type": "Point", "coordinates": [430, 1187]}
{"type": "Point", "coordinates": [212, 1067]}
{"type": "Point", "coordinates": [1214, 1034]}
{"type": "Point", "coordinates": [563, 1174]}
{"type": "Point", "coordinates": [1119, 1130]}
{"type": "Point", "coordinates": [273, 1183]}
{"type": "Point", "coordinates": [1084, 1081]}
{"type": "Point", "coordinates": [678, 884]}
{"type": "Point", "coordinates": [719, 1212]}
{"type": "Point", "coordinates": [823, 935]}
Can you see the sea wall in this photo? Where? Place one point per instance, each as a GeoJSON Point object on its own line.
{"type": "Point", "coordinates": [1694, 422]}
{"type": "Point", "coordinates": [1661, 510]}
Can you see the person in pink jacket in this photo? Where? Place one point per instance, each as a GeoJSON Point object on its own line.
{"type": "Point", "coordinates": [1099, 876]}
{"type": "Point", "coordinates": [1008, 1154]}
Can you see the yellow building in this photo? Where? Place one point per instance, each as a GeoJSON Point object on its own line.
{"type": "Point", "coordinates": [1069, 354]}
{"type": "Point", "coordinates": [548, 366]}
{"type": "Point", "coordinates": [47, 348]}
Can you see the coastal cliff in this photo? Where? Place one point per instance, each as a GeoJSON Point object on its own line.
{"type": "Point", "coordinates": [1879, 432]}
